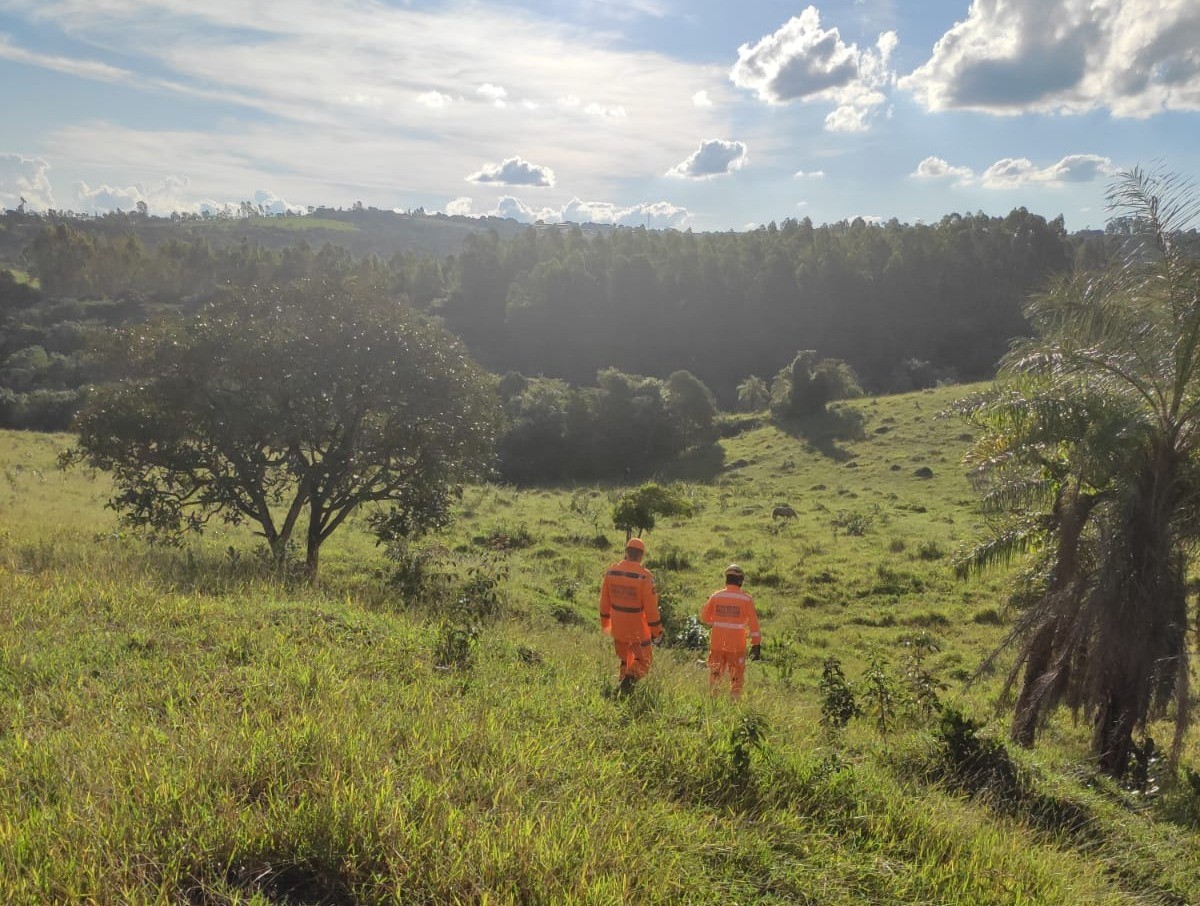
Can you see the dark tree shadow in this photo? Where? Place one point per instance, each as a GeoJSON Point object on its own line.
{"type": "Point", "coordinates": [823, 430]}
{"type": "Point", "coordinates": [700, 464]}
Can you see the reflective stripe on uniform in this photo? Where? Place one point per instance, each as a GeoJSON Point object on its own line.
{"type": "Point", "coordinates": [729, 625]}
{"type": "Point", "coordinates": [732, 595]}
{"type": "Point", "coordinates": [625, 575]}
{"type": "Point", "coordinates": [620, 609]}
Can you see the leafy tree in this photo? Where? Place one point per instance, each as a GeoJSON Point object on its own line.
{"type": "Point", "coordinates": [636, 510]}
{"type": "Point", "coordinates": [753, 394]}
{"type": "Point", "coordinates": [692, 407]}
{"type": "Point", "coordinates": [288, 405]}
{"type": "Point", "coordinates": [1090, 458]}
{"type": "Point", "coordinates": [807, 385]}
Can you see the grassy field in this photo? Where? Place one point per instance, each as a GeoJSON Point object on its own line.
{"type": "Point", "coordinates": [183, 726]}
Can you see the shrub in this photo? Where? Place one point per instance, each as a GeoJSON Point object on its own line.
{"type": "Point", "coordinates": [693, 636]}
{"type": "Point", "coordinates": [975, 762]}
{"type": "Point", "coordinates": [838, 705]}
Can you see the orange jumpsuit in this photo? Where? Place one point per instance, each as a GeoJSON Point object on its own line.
{"type": "Point", "coordinates": [629, 613]}
{"type": "Point", "coordinates": [731, 614]}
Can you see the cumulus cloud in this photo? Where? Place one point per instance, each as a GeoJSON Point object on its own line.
{"type": "Point", "coordinates": [1009, 172]}
{"type": "Point", "coordinates": [1012, 172]}
{"type": "Point", "coordinates": [166, 197]}
{"type": "Point", "coordinates": [933, 168]}
{"type": "Point", "coordinates": [606, 113]}
{"type": "Point", "coordinates": [435, 100]}
{"type": "Point", "coordinates": [701, 99]}
{"type": "Point", "coordinates": [847, 119]}
{"type": "Point", "coordinates": [802, 61]}
{"type": "Point", "coordinates": [714, 157]}
{"type": "Point", "coordinates": [514, 171]}
{"type": "Point", "coordinates": [1132, 57]}
{"type": "Point", "coordinates": [27, 178]}
{"type": "Point", "coordinates": [494, 93]}
{"type": "Point", "coordinates": [809, 174]}
{"type": "Point", "coordinates": [655, 215]}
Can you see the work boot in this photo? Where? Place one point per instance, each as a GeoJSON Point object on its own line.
{"type": "Point", "coordinates": [626, 685]}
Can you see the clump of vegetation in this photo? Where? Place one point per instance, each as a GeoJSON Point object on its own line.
{"type": "Point", "coordinates": [637, 511]}
{"type": "Point", "coordinates": [1086, 460]}
{"type": "Point", "coordinates": [838, 703]}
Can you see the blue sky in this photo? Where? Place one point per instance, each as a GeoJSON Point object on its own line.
{"type": "Point", "coordinates": [709, 114]}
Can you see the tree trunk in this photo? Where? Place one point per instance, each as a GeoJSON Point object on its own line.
{"type": "Point", "coordinates": [312, 557]}
{"type": "Point", "coordinates": [278, 545]}
{"type": "Point", "coordinates": [1112, 739]}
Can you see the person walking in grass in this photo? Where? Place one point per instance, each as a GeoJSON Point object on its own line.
{"type": "Point", "coordinates": [731, 614]}
{"type": "Point", "coordinates": [629, 613]}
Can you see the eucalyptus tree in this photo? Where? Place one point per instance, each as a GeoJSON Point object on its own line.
{"type": "Point", "coordinates": [1089, 461]}
{"type": "Point", "coordinates": [290, 408]}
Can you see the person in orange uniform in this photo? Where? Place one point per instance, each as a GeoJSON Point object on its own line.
{"type": "Point", "coordinates": [629, 612]}
{"type": "Point", "coordinates": [731, 614]}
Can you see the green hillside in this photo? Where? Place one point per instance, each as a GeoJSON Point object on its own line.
{"type": "Point", "coordinates": [440, 725]}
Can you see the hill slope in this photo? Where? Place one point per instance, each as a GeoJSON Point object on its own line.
{"type": "Point", "coordinates": [179, 726]}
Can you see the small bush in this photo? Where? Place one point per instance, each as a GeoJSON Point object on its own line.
{"type": "Point", "coordinates": [693, 636]}
{"type": "Point", "coordinates": [454, 647]}
{"type": "Point", "coordinates": [975, 762]}
{"type": "Point", "coordinates": [838, 705]}
{"type": "Point", "coordinates": [670, 557]}
{"type": "Point", "coordinates": [930, 550]}
{"type": "Point", "coordinates": [851, 523]}
{"type": "Point", "coordinates": [989, 616]}
{"type": "Point", "coordinates": [506, 539]}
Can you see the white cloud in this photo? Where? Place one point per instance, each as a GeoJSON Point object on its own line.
{"type": "Point", "coordinates": [102, 72]}
{"type": "Point", "coordinates": [810, 174]}
{"type": "Point", "coordinates": [655, 215]}
{"type": "Point", "coordinates": [435, 100]}
{"type": "Point", "coordinates": [802, 61]}
{"type": "Point", "coordinates": [302, 65]}
{"type": "Point", "coordinates": [701, 99]}
{"type": "Point", "coordinates": [1132, 57]}
{"type": "Point", "coordinates": [494, 93]}
{"type": "Point", "coordinates": [1009, 173]}
{"type": "Point", "coordinates": [714, 157]}
{"type": "Point", "coordinates": [166, 197]}
{"type": "Point", "coordinates": [606, 113]}
{"type": "Point", "coordinates": [932, 168]}
{"type": "Point", "coordinates": [273, 204]}
{"type": "Point", "coordinates": [847, 119]}
{"type": "Point", "coordinates": [514, 171]}
{"type": "Point", "coordinates": [25, 177]}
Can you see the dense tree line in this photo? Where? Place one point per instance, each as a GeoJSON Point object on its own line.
{"type": "Point", "coordinates": [892, 300]}
{"type": "Point", "coordinates": [902, 305]}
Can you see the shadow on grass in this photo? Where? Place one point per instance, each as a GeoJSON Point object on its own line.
{"type": "Point", "coordinates": [823, 430]}
{"type": "Point", "coordinates": [701, 464]}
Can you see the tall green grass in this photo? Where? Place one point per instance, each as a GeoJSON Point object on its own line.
{"type": "Point", "coordinates": [185, 725]}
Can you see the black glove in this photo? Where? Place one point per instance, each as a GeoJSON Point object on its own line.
{"type": "Point", "coordinates": [756, 652]}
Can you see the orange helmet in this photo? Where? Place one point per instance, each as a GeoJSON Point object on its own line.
{"type": "Point", "coordinates": [734, 570]}
{"type": "Point", "coordinates": [635, 544]}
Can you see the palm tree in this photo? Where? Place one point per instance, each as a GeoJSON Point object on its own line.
{"type": "Point", "coordinates": [1090, 464]}
{"type": "Point", "coordinates": [753, 394]}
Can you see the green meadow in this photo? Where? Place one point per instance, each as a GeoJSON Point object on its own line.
{"type": "Point", "coordinates": [440, 725]}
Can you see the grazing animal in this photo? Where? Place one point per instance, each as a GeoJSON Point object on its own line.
{"type": "Point", "coordinates": [783, 512]}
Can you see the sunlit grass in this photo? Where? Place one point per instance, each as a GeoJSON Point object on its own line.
{"type": "Point", "coordinates": [181, 725]}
